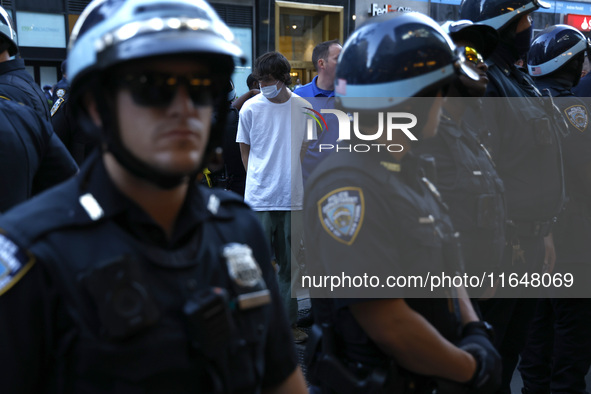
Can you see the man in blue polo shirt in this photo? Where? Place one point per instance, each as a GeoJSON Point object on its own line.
{"type": "Point", "coordinates": [324, 57]}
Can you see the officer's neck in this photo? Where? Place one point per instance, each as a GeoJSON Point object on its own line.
{"type": "Point", "coordinates": [161, 204]}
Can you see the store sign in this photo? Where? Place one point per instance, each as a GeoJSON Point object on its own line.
{"type": "Point", "coordinates": [375, 9]}
{"type": "Point", "coordinates": [581, 22]}
{"type": "Point", "coordinates": [40, 30]}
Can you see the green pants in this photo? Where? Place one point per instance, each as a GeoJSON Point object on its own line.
{"type": "Point", "coordinates": [281, 228]}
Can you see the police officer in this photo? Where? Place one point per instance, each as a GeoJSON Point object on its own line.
{"type": "Point", "coordinates": [375, 213]}
{"type": "Point", "coordinates": [32, 158]}
{"type": "Point", "coordinates": [235, 172]}
{"type": "Point", "coordinates": [130, 277]}
{"type": "Point", "coordinates": [466, 175]}
{"type": "Point", "coordinates": [63, 85]}
{"type": "Point", "coordinates": [16, 83]}
{"type": "Point", "coordinates": [525, 144]}
{"type": "Point", "coordinates": [79, 142]}
{"type": "Point", "coordinates": [558, 351]}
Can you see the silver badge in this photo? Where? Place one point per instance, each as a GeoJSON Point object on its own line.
{"type": "Point", "coordinates": [242, 266]}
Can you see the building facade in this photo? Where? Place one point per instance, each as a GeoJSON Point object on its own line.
{"type": "Point", "coordinates": [290, 27]}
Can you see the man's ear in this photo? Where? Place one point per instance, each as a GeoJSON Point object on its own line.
{"type": "Point", "coordinates": [320, 63]}
{"type": "Point", "coordinates": [90, 104]}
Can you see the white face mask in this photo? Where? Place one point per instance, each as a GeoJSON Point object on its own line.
{"type": "Point", "coordinates": [270, 91]}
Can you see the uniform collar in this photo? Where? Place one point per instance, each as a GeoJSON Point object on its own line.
{"type": "Point", "coordinates": [101, 199]}
{"type": "Point", "coordinates": [12, 65]}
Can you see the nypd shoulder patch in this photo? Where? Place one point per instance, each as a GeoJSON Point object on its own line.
{"type": "Point", "coordinates": [60, 93]}
{"type": "Point", "coordinates": [341, 213]}
{"type": "Point", "coordinates": [14, 263]}
{"type": "Point", "coordinates": [56, 105]}
{"type": "Point", "coordinates": [577, 116]}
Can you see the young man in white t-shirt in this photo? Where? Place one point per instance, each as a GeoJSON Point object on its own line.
{"type": "Point", "coordinates": [272, 136]}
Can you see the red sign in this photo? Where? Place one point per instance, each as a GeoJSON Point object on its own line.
{"type": "Point", "coordinates": [581, 22]}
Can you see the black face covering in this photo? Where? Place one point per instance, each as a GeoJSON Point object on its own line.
{"type": "Point", "coordinates": [513, 46]}
{"type": "Point", "coordinates": [523, 42]}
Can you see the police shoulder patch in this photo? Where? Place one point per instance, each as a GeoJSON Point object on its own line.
{"type": "Point", "coordinates": [14, 263]}
{"type": "Point", "coordinates": [577, 116]}
{"type": "Point", "coordinates": [60, 93]}
{"type": "Point", "coordinates": [57, 105]}
{"type": "Point", "coordinates": [341, 213]}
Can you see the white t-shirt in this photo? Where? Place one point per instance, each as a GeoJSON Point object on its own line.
{"type": "Point", "coordinates": [275, 133]}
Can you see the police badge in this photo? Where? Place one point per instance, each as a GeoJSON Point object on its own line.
{"type": "Point", "coordinates": [577, 116]}
{"type": "Point", "coordinates": [247, 276]}
{"type": "Point", "coordinates": [242, 266]}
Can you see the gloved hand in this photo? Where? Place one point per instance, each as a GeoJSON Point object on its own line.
{"type": "Point", "coordinates": [477, 340]}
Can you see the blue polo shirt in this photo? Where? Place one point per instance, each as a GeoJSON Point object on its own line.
{"type": "Point", "coordinates": [312, 90]}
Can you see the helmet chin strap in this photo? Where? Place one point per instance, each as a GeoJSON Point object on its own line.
{"type": "Point", "coordinates": [127, 159]}
{"type": "Point", "coordinates": [141, 169]}
{"type": "Point", "coordinates": [144, 171]}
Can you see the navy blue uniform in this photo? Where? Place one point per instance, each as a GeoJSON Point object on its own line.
{"type": "Point", "coordinates": [470, 186]}
{"type": "Point", "coordinates": [100, 300]}
{"type": "Point", "coordinates": [368, 214]}
{"type": "Point", "coordinates": [79, 143]}
{"type": "Point", "coordinates": [32, 157]}
{"type": "Point", "coordinates": [18, 85]}
{"type": "Point", "coordinates": [558, 352]}
{"type": "Point", "coordinates": [526, 146]}
{"type": "Point", "coordinates": [60, 89]}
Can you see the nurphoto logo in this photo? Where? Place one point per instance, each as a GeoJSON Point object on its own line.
{"type": "Point", "coordinates": [391, 120]}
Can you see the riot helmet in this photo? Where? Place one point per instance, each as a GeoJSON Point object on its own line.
{"type": "Point", "coordinates": [7, 33]}
{"type": "Point", "coordinates": [498, 14]}
{"type": "Point", "coordinates": [484, 37]}
{"type": "Point", "coordinates": [555, 48]}
{"type": "Point", "coordinates": [395, 57]}
{"type": "Point", "coordinates": [111, 33]}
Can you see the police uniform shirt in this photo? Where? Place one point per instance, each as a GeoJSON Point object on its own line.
{"type": "Point", "coordinates": [32, 158]}
{"type": "Point", "coordinates": [525, 143]}
{"type": "Point", "coordinates": [16, 84]}
{"type": "Point", "coordinates": [65, 260]}
{"type": "Point", "coordinates": [470, 186]}
{"type": "Point", "coordinates": [573, 230]}
{"type": "Point", "coordinates": [366, 214]}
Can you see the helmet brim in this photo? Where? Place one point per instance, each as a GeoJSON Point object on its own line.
{"type": "Point", "coordinates": [170, 43]}
{"type": "Point", "coordinates": [484, 38]}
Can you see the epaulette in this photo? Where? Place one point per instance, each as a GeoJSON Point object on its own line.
{"type": "Point", "coordinates": [220, 203]}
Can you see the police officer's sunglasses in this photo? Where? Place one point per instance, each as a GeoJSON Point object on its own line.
{"type": "Point", "coordinates": [472, 55]}
{"type": "Point", "coordinates": [156, 89]}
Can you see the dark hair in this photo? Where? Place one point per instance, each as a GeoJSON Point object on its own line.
{"type": "Point", "coordinates": [251, 82]}
{"type": "Point", "coordinates": [321, 51]}
{"type": "Point", "coordinates": [273, 64]}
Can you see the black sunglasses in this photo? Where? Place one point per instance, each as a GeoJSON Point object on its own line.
{"type": "Point", "coordinates": [156, 89]}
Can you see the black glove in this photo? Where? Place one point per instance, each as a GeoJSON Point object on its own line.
{"type": "Point", "coordinates": [477, 340]}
